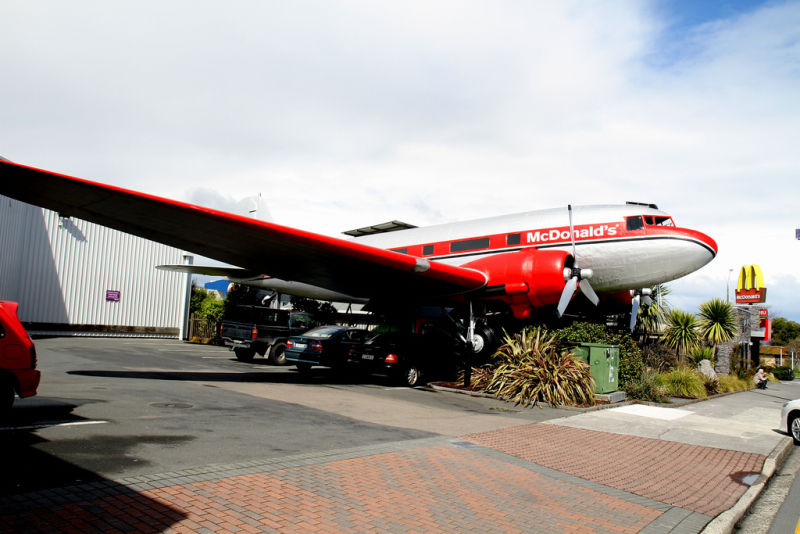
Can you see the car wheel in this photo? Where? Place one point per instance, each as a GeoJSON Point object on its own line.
{"type": "Point", "coordinates": [304, 368]}
{"type": "Point", "coordinates": [244, 355]}
{"type": "Point", "coordinates": [413, 376]}
{"type": "Point", "coordinates": [794, 428]}
{"type": "Point", "coordinates": [277, 354]}
{"type": "Point", "coordinates": [6, 397]}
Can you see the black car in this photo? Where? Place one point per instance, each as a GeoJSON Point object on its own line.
{"type": "Point", "coordinates": [324, 345]}
{"type": "Point", "coordinates": [404, 357]}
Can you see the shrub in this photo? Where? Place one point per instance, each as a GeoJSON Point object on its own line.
{"type": "Point", "coordinates": [646, 387]}
{"type": "Point", "coordinates": [631, 364]}
{"type": "Point", "coordinates": [701, 353]}
{"type": "Point", "coordinates": [659, 357]}
{"type": "Point", "coordinates": [710, 383]}
{"type": "Point", "coordinates": [730, 383]}
{"type": "Point", "coordinates": [479, 377]}
{"type": "Point", "coordinates": [684, 382]}
{"type": "Point", "coordinates": [783, 373]}
{"type": "Point", "coordinates": [530, 369]}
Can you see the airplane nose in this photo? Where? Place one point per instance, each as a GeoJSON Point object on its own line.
{"type": "Point", "coordinates": [708, 243]}
{"type": "Point", "coordinates": [705, 248]}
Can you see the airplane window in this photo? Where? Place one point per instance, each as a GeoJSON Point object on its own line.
{"type": "Point", "coordinates": [635, 223]}
{"type": "Point", "coordinates": [648, 220]}
{"type": "Point", "coordinates": [427, 250]}
{"type": "Point", "coordinates": [469, 244]}
{"type": "Point", "coordinates": [664, 221]}
{"type": "Point", "coordinates": [400, 250]}
{"type": "Point", "coordinates": [513, 239]}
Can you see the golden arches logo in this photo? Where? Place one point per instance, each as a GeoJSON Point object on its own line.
{"type": "Point", "coordinates": [751, 288]}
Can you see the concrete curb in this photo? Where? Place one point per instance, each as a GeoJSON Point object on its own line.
{"type": "Point", "coordinates": [725, 522]}
{"type": "Point", "coordinates": [437, 387]}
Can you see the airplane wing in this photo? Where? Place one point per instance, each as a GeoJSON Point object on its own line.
{"type": "Point", "coordinates": [210, 270]}
{"type": "Point", "coordinates": [257, 246]}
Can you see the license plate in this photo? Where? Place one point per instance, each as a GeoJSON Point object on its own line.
{"type": "Point", "coordinates": [367, 357]}
{"type": "Point", "coordinates": [300, 345]}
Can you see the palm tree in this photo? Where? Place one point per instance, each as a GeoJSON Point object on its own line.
{"type": "Point", "coordinates": [681, 333]}
{"type": "Point", "coordinates": [717, 322]}
{"type": "Point", "coordinates": [653, 317]}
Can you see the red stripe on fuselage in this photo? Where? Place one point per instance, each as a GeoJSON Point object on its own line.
{"type": "Point", "coordinates": [555, 237]}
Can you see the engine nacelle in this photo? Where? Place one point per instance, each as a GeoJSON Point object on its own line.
{"type": "Point", "coordinates": [526, 279]}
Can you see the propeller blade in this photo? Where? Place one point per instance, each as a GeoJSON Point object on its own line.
{"type": "Point", "coordinates": [566, 295]}
{"type": "Point", "coordinates": [634, 311]}
{"type": "Point", "coordinates": [647, 301]}
{"type": "Point", "coordinates": [588, 291]}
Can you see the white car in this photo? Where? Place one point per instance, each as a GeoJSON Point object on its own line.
{"type": "Point", "coordinates": [790, 419]}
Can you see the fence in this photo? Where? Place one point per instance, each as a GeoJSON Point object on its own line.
{"type": "Point", "coordinates": [200, 329]}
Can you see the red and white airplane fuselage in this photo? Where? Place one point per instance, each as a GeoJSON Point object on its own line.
{"type": "Point", "coordinates": [627, 247]}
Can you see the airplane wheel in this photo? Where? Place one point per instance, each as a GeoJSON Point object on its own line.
{"type": "Point", "coordinates": [482, 343]}
{"type": "Point", "coordinates": [794, 428]}
{"type": "Point", "coordinates": [244, 355]}
{"type": "Point", "coordinates": [277, 355]}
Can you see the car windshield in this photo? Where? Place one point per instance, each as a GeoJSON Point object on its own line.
{"type": "Point", "coordinates": [323, 331]}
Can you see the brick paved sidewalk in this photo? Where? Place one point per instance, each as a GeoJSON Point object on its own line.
{"type": "Point", "coordinates": [702, 479]}
{"type": "Point", "coordinates": [429, 485]}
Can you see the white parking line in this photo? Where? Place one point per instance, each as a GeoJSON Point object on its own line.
{"type": "Point", "coordinates": [51, 425]}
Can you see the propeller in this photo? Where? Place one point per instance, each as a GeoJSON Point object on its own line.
{"type": "Point", "coordinates": [575, 277]}
{"type": "Point", "coordinates": [639, 296]}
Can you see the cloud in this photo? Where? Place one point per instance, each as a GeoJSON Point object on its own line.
{"type": "Point", "coordinates": [353, 113]}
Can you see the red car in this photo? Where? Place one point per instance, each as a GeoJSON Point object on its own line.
{"type": "Point", "coordinates": [18, 373]}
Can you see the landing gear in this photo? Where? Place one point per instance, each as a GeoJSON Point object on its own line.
{"type": "Point", "coordinates": [478, 340]}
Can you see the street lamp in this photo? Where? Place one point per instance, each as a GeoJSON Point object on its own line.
{"type": "Point", "coordinates": [728, 288]}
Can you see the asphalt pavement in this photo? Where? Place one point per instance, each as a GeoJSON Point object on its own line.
{"type": "Point", "coordinates": [166, 437]}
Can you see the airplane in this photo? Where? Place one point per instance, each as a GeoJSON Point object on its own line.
{"type": "Point", "coordinates": [493, 270]}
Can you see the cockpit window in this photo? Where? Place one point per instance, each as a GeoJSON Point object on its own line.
{"type": "Point", "coordinates": [648, 220]}
{"type": "Point", "coordinates": [635, 223]}
{"type": "Point", "coordinates": [664, 221]}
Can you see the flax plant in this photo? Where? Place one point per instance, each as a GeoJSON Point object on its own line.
{"type": "Point", "coordinates": [530, 369]}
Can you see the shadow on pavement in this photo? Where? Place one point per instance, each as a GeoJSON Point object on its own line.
{"type": "Point", "coordinates": [40, 492]}
{"type": "Point", "coordinates": [316, 376]}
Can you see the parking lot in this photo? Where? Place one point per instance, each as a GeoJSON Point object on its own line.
{"type": "Point", "coordinates": [137, 435]}
{"type": "Point", "coordinates": [124, 407]}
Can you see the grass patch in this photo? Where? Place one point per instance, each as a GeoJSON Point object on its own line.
{"type": "Point", "coordinates": [731, 383]}
{"type": "Point", "coordinates": [647, 387]}
{"type": "Point", "coordinates": [684, 382]}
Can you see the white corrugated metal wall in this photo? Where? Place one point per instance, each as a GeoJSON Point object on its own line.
{"type": "Point", "coordinates": [60, 270]}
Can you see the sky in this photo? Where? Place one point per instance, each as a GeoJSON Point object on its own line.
{"type": "Point", "coordinates": [346, 114]}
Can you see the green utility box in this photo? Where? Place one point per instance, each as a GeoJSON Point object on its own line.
{"type": "Point", "coordinates": [604, 363]}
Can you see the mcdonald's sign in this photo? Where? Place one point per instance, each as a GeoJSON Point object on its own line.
{"type": "Point", "coordinates": [750, 289]}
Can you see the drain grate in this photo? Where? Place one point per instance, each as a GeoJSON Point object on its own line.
{"type": "Point", "coordinates": [179, 405]}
